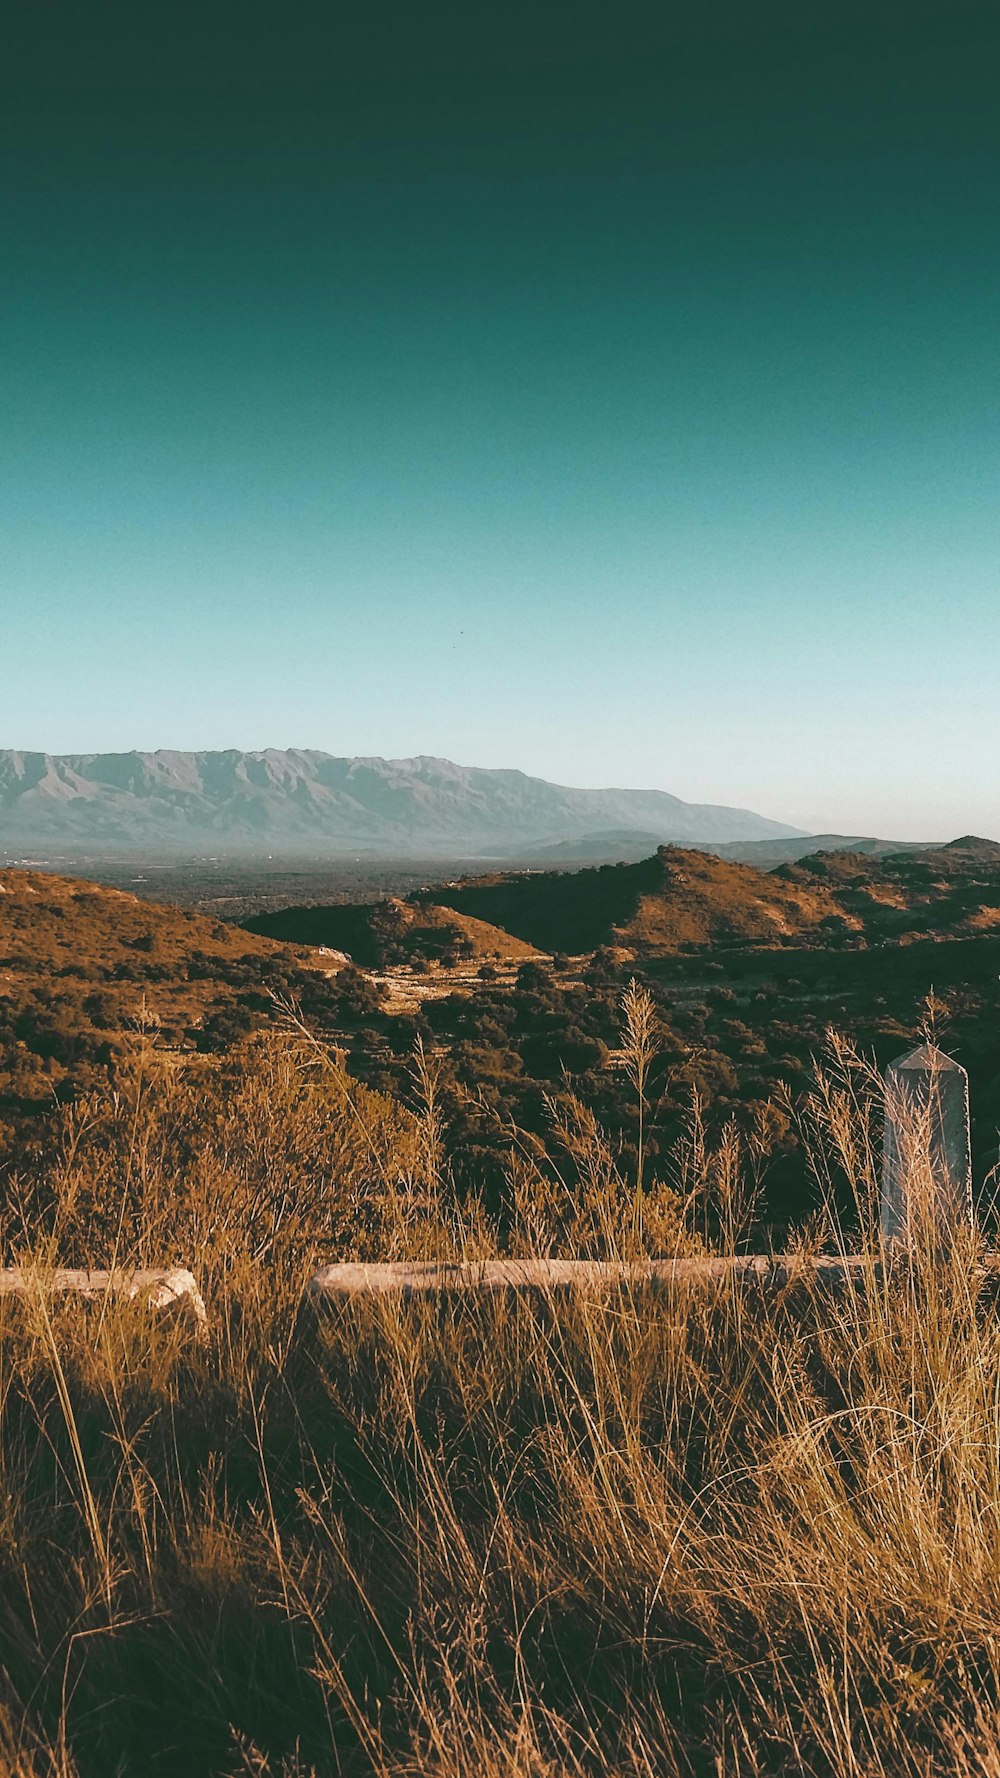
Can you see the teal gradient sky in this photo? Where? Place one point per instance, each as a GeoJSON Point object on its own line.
{"type": "Point", "coordinates": [617, 402]}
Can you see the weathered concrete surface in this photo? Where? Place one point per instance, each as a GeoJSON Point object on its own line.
{"type": "Point", "coordinates": [926, 1155]}
{"type": "Point", "coordinates": [415, 1278]}
{"type": "Point", "coordinates": [171, 1290]}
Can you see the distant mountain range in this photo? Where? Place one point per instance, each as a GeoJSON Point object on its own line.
{"type": "Point", "coordinates": [296, 800]}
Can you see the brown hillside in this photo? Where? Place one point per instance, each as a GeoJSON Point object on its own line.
{"type": "Point", "coordinates": [427, 924]}
{"type": "Point", "coordinates": [679, 899]}
{"type": "Point", "coordinates": [704, 900]}
{"type": "Point", "coordinates": [375, 934]}
{"type": "Point", "coordinates": [81, 964]}
{"type": "Point", "coordinates": [65, 921]}
{"type": "Point", "coordinates": [947, 891]}
{"type": "Point", "coordinates": [674, 899]}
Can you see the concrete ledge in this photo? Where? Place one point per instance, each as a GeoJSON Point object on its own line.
{"type": "Point", "coordinates": [172, 1290]}
{"type": "Point", "coordinates": [416, 1278]}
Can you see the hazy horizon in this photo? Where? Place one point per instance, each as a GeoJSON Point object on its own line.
{"type": "Point", "coordinates": [612, 400]}
{"type": "Point", "coordinates": [404, 759]}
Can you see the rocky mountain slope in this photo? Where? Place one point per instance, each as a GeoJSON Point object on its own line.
{"type": "Point", "coordinates": [312, 802]}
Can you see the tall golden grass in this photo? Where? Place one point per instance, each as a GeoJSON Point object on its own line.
{"type": "Point", "coordinates": [696, 1532]}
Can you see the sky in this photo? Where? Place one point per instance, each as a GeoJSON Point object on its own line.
{"type": "Point", "coordinates": [612, 394]}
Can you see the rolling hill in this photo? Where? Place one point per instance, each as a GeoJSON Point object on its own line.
{"type": "Point", "coordinates": [296, 800]}
{"type": "Point", "coordinates": [393, 931]}
{"type": "Point", "coordinates": [82, 965]}
{"type": "Point", "coordinates": [681, 900]}
{"type": "Point", "coordinates": [676, 900]}
{"type": "Point", "coordinates": [72, 929]}
{"type": "Point", "coordinates": [950, 891]}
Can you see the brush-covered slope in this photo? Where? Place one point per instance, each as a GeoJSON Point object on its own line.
{"type": "Point", "coordinates": [300, 799]}
{"type": "Point", "coordinates": [69, 929]}
{"type": "Point", "coordinates": [393, 931]}
{"type": "Point", "coordinates": [81, 964]}
{"type": "Point", "coordinates": [675, 899]}
{"type": "Point", "coordinates": [681, 899]}
{"type": "Point", "coordinates": [944, 891]}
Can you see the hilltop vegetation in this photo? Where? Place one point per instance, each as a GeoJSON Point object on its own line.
{"type": "Point", "coordinates": [948, 891]}
{"type": "Point", "coordinates": [392, 930]}
{"type": "Point", "coordinates": [675, 900]}
{"type": "Point", "coordinates": [83, 967]}
{"type": "Point", "coordinates": [680, 900]}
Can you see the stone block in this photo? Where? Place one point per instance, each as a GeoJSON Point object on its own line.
{"type": "Point", "coordinates": [173, 1291]}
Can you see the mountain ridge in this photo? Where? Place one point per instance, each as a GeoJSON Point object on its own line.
{"type": "Point", "coordinates": [248, 801]}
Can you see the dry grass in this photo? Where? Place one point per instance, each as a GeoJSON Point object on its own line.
{"type": "Point", "coordinates": [683, 1533]}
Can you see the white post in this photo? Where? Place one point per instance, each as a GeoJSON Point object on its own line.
{"type": "Point", "coordinates": [926, 1162]}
